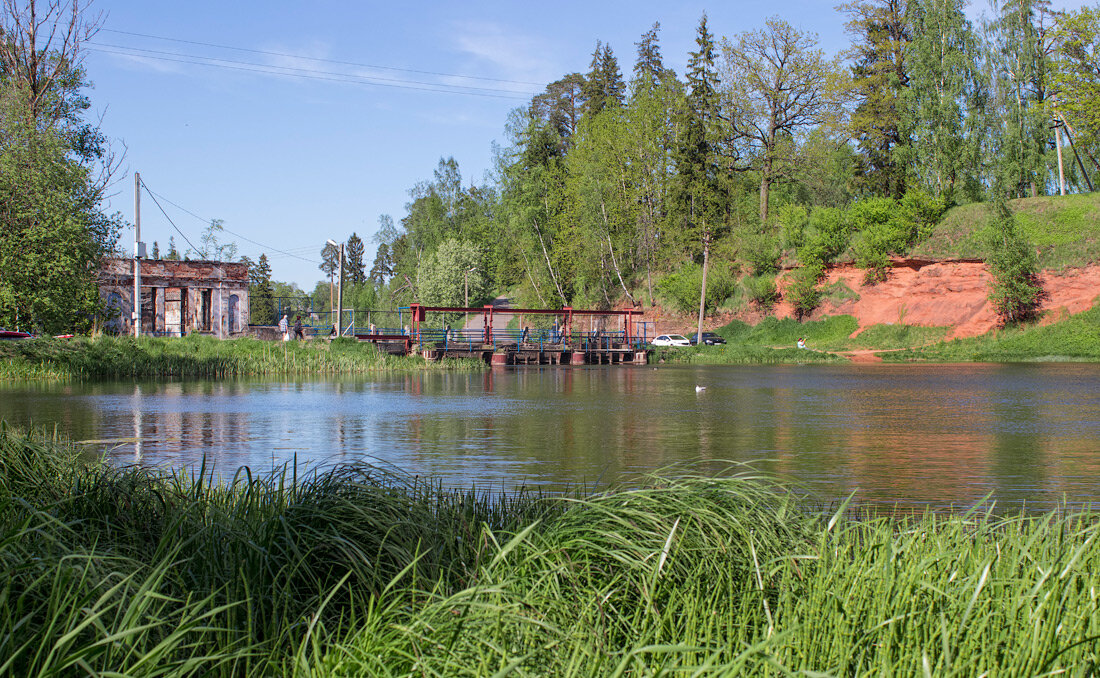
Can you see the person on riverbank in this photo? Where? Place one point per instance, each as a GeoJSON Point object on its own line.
{"type": "Point", "coordinates": [298, 328]}
{"type": "Point", "coordinates": [283, 328]}
{"type": "Point", "coordinates": [802, 343]}
{"type": "Point", "coordinates": [526, 336]}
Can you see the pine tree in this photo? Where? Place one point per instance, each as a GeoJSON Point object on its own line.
{"type": "Point", "coordinates": [156, 250]}
{"type": "Point", "coordinates": [649, 69]}
{"type": "Point", "coordinates": [383, 266]}
{"type": "Point", "coordinates": [354, 260]}
{"type": "Point", "coordinates": [172, 254]}
{"type": "Point", "coordinates": [261, 292]}
{"type": "Point", "coordinates": [603, 86]}
{"type": "Point", "coordinates": [1015, 292]}
{"type": "Point", "coordinates": [697, 192]}
{"type": "Point", "coordinates": [879, 77]}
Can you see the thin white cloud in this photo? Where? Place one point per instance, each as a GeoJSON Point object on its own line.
{"type": "Point", "coordinates": [508, 53]}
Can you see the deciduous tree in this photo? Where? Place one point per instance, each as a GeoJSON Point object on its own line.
{"type": "Point", "coordinates": [778, 86]}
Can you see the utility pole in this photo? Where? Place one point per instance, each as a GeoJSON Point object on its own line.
{"type": "Point", "coordinates": [1061, 170]}
{"type": "Point", "coordinates": [138, 246]}
{"type": "Point", "coordinates": [340, 297]}
{"type": "Point", "coordinates": [339, 291]}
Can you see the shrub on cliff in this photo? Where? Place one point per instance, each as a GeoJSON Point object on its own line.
{"type": "Point", "coordinates": [1016, 292]}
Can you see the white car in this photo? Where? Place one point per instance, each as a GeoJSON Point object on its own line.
{"type": "Point", "coordinates": [671, 340]}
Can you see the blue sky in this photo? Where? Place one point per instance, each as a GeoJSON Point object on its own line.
{"type": "Point", "coordinates": [290, 161]}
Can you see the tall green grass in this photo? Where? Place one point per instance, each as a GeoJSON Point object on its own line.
{"type": "Point", "coordinates": [1064, 229]}
{"type": "Point", "coordinates": [353, 571]}
{"type": "Point", "coordinates": [1075, 338]}
{"type": "Point", "coordinates": [199, 356]}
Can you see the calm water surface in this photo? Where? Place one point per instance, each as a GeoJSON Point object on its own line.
{"type": "Point", "coordinates": [911, 434]}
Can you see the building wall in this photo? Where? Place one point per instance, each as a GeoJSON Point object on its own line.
{"type": "Point", "coordinates": [179, 297]}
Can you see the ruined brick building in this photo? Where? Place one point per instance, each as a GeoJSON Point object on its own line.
{"type": "Point", "coordinates": [177, 297]}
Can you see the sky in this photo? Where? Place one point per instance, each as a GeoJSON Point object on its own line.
{"type": "Point", "coordinates": [295, 123]}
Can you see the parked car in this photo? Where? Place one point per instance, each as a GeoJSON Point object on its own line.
{"type": "Point", "coordinates": [671, 340]}
{"type": "Point", "coordinates": [14, 334]}
{"type": "Point", "coordinates": [709, 339]}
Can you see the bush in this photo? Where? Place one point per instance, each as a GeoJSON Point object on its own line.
{"type": "Point", "coordinates": [887, 226]}
{"type": "Point", "coordinates": [1016, 292]}
{"type": "Point", "coordinates": [793, 222]}
{"type": "Point", "coordinates": [762, 290]}
{"type": "Point", "coordinates": [803, 292]}
{"type": "Point", "coordinates": [826, 238]}
{"type": "Point", "coordinates": [761, 252]}
{"type": "Point", "coordinates": [682, 289]}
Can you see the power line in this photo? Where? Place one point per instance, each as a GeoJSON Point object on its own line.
{"type": "Point", "coordinates": [318, 59]}
{"type": "Point", "coordinates": [207, 221]}
{"type": "Point", "coordinates": [168, 217]}
{"type": "Point", "coordinates": [276, 69]}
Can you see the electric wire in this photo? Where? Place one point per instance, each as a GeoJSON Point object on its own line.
{"type": "Point", "coordinates": [168, 217]}
{"type": "Point", "coordinates": [268, 71]}
{"type": "Point", "coordinates": [319, 59]}
{"type": "Point", "coordinates": [276, 69]}
{"type": "Point", "coordinates": [207, 221]}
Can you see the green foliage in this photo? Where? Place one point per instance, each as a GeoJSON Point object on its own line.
{"type": "Point", "coordinates": [825, 236]}
{"type": "Point", "coordinates": [261, 292]}
{"type": "Point", "coordinates": [879, 78]}
{"type": "Point", "coordinates": [1016, 292]}
{"type": "Point", "coordinates": [195, 356]}
{"type": "Point", "coordinates": [353, 263]}
{"type": "Point", "coordinates": [452, 272]}
{"type": "Point", "coordinates": [682, 289]}
{"type": "Point", "coordinates": [831, 331]}
{"type": "Point", "coordinates": [1076, 78]}
{"type": "Point", "coordinates": [1065, 230]}
{"type": "Point", "coordinates": [211, 247]}
{"type": "Point", "coordinates": [52, 232]}
{"type": "Point", "coordinates": [838, 292]}
{"type": "Point", "coordinates": [1075, 338]}
{"type": "Point", "coordinates": [761, 252]}
{"type": "Point", "coordinates": [887, 226]}
{"type": "Point", "coordinates": [793, 223]}
{"type": "Point", "coordinates": [898, 336]}
{"type": "Point", "coordinates": [803, 293]}
{"type": "Point", "coordinates": [761, 289]}
{"type": "Point", "coordinates": [356, 571]}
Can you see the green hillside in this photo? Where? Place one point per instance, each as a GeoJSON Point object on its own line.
{"type": "Point", "coordinates": [1064, 229]}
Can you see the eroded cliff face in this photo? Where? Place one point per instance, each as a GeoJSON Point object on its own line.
{"type": "Point", "coordinates": [951, 293]}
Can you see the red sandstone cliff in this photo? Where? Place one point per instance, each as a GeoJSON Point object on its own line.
{"type": "Point", "coordinates": [946, 293]}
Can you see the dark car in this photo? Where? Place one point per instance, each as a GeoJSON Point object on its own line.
{"type": "Point", "coordinates": [709, 339]}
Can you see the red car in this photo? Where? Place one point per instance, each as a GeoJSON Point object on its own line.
{"type": "Point", "coordinates": [14, 334]}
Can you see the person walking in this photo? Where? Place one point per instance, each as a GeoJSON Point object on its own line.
{"type": "Point", "coordinates": [298, 328]}
{"type": "Point", "coordinates": [283, 327]}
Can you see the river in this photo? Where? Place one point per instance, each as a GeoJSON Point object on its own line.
{"type": "Point", "coordinates": [940, 435]}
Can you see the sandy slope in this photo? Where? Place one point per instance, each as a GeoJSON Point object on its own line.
{"type": "Point", "coordinates": [946, 293]}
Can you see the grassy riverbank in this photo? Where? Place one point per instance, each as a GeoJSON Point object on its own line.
{"type": "Point", "coordinates": [198, 356]}
{"type": "Point", "coordinates": [1076, 338]}
{"type": "Point", "coordinates": [357, 572]}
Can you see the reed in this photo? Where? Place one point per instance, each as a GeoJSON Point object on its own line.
{"type": "Point", "coordinates": [359, 571]}
{"type": "Point", "coordinates": [199, 356]}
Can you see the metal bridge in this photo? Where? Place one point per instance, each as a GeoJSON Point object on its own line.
{"type": "Point", "coordinates": [575, 337]}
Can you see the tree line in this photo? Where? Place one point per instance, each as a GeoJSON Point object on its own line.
{"type": "Point", "coordinates": [767, 152]}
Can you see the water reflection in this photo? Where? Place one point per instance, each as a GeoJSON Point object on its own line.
{"type": "Point", "coordinates": [910, 434]}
